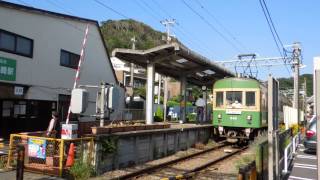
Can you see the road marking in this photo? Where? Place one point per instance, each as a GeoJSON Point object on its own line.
{"type": "Point", "coordinates": [295, 177]}
{"type": "Point", "coordinates": [300, 164]}
{"type": "Point", "coordinates": [305, 167]}
{"type": "Point", "coordinates": [306, 157]}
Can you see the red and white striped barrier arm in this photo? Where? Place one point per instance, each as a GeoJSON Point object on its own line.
{"type": "Point", "coordinates": [76, 79]}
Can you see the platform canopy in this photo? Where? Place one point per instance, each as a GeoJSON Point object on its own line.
{"type": "Point", "coordinates": [176, 60]}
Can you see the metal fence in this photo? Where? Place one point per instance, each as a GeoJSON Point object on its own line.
{"type": "Point", "coordinates": [289, 150]}
{"type": "Point", "coordinates": [287, 147]}
{"type": "Point", "coordinates": [129, 114]}
{"type": "Point", "coordinates": [284, 139]}
{"type": "Point", "coordinates": [262, 160]}
{"type": "Point", "coordinates": [49, 155]}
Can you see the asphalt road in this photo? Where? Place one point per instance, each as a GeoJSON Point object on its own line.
{"type": "Point", "coordinates": [304, 165]}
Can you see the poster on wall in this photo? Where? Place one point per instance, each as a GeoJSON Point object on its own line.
{"type": "Point", "coordinates": [37, 148]}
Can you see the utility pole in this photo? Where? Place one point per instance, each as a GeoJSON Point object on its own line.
{"type": "Point", "coordinates": [167, 24]}
{"type": "Point", "coordinates": [316, 88]}
{"type": "Point", "coordinates": [273, 133]}
{"type": "Point", "coordinates": [133, 40]}
{"type": "Point", "coordinates": [304, 95]}
{"type": "Point", "coordinates": [159, 88]}
{"type": "Point", "coordinates": [296, 65]}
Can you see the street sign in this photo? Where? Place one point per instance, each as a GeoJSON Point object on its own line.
{"type": "Point", "coordinates": [18, 91]}
{"type": "Point", "coordinates": [7, 69]}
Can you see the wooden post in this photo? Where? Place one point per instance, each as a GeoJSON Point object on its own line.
{"type": "Point", "coordinates": [61, 157]}
{"type": "Point", "coordinates": [20, 162]}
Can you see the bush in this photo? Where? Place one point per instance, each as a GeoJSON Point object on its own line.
{"type": "Point", "coordinates": [3, 162]}
{"type": "Point", "coordinates": [172, 103]}
{"type": "Point", "coordinates": [159, 115]}
{"type": "Point", "coordinates": [295, 129]}
{"type": "Point", "coordinates": [192, 117]}
{"type": "Point", "coordinates": [81, 170]}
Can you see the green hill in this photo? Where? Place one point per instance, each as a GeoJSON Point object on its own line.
{"type": "Point", "coordinates": [287, 83]}
{"type": "Point", "coordinates": [118, 34]}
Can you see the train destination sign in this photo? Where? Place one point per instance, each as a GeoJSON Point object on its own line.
{"type": "Point", "coordinates": [233, 111]}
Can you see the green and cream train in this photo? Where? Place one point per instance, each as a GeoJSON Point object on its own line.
{"type": "Point", "coordinates": [240, 108]}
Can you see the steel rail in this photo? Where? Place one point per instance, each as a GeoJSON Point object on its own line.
{"type": "Point", "coordinates": [192, 173]}
{"type": "Point", "coordinates": [163, 165]}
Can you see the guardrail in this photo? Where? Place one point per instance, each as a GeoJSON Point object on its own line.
{"type": "Point", "coordinates": [48, 155]}
{"type": "Point", "coordinates": [289, 151]}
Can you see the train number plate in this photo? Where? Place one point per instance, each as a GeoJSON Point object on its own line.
{"type": "Point", "coordinates": [233, 111]}
{"type": "Point", "coordinates": [233, 118]}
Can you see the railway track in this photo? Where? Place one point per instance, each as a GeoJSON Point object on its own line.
{"type": "Point", "coordinates": [184, 167]}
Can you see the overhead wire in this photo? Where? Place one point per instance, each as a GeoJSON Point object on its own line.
{"type": "Point", "coordinates": [183, 31]}
{"type": "Point", "coordinates": [212, 27]}
{"type": "Point", "coordinates": [157, 17]}
{"type": "Point", "coordinates": [221, 25]}
{"type": "Point", "coordinates": [58, 6]}
{"type": "Point", "coordinates": [145, 8]}
{"type": "Point", "coordinates": [111, 9]}
{"type": "Point", "coordinates": [70, 24]}
{"type": "Point", "coordinates": [274, 33]}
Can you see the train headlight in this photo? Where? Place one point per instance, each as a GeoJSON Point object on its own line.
{"type": "Point", "coordinates": [219, 116]}
{"type": "Point", "coordinates": [249, 117]}
{"type": "Point", "coordinates": [220, 129]}
{"type": "Point", "coordinates": [247, 131]}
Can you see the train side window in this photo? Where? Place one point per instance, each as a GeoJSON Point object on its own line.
{"type": "Point", "coordinates": [219, 99]}
{"type": "Point", "coordinates": [250, 98]}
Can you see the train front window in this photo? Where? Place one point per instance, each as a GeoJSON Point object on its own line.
{"type": "Point", "coordinates": [219, 99]}
{"type": "Point", "coordinates": [234, 99]}
{"type": "Point", "coordinates": [250, 98]}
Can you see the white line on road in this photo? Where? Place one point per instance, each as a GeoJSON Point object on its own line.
{"type": "Point", "coordinates": [295, 177]}
{"type": "Point", "coordinates": [304, 167]}
{"type": "Point", "coordinates": [309, 165]}
{"type": "Point", "coordinates": [306, 157]}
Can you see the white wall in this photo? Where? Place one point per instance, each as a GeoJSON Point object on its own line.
{"type": "Point", "coordinates": [51, 34]}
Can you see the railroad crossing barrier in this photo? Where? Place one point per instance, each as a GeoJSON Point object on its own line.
{"type": "Point", "coordinates": [48, 155]}
{"type": "Point", "coordinates": [289, 151]}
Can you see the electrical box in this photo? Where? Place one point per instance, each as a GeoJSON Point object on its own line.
{"type": "Point", "coordinates": [112, 98]}
{"type": "Point", "coordinates": [79, 100]}
{"type": "Point", "coordinates": [69, 131]}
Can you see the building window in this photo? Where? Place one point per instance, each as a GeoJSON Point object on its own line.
{"type": "Point", "coordinates": [16, 44]}
{"type": "Point", "coordinates": [69, 59]}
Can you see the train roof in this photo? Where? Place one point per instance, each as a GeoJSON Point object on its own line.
{"type": "Point", "coordinates": [235, 82]}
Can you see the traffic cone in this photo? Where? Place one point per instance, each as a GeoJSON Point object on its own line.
{"type": "Point", "coordinates": [70, 159]}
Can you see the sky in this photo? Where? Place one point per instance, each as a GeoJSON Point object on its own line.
{"type": "Point", "coordinates": [220, 31]}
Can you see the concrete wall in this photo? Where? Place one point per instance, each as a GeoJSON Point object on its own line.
{"type": "Point", "coordinates": [43, 73]}
{"type": "Point", "coordinates": [140, 147]}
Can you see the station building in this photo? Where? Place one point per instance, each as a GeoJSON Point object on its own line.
{"type": "Point", "coordinates": [39, 53]}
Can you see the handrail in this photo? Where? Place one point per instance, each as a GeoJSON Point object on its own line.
{"type": "Point", "coordinates": [287, 156]}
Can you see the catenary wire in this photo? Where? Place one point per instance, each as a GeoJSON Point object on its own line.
{"type": "Point", "coordinates": [212, 27]}
{"type": "Point", "coordinates": [221, 25]}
